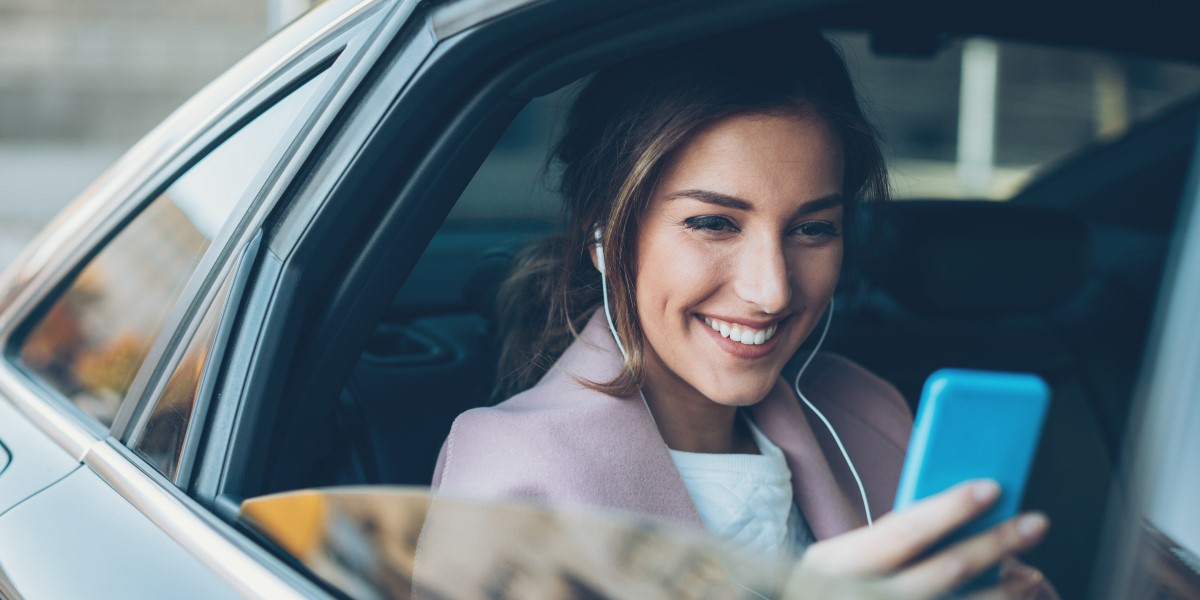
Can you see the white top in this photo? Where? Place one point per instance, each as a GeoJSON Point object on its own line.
{"type": "Point", "coordinates": [746, 499]}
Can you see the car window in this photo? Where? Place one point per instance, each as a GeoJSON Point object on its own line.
{"type": "Point", "coordinates": [980, 119]}
{"type": "Point", "coordinates": [93, 340]}
{"type": "Point", "coordinates": [161, 440]}
{"type": "Point", "coordinates": [983, 117]}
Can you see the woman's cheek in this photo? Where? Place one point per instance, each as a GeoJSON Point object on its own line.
{"type": "Point", "coordinates": [678, 270]}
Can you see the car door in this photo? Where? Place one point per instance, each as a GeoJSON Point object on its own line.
{"type": "Point", "coordinates": [1152, 544]}
{"type": "Point", "coordinates": [113, 318]}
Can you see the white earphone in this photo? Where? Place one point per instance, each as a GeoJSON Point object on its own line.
{"type": "Point", "coordinates": [846, 455]}
{"type": "Point", "coordinates": [598, 234]}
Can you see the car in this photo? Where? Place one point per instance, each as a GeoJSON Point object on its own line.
{"type": "Point", "coordinates": [265, 293]}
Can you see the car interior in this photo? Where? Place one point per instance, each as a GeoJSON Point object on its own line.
{"type": "Point", "coordinates": [1060, 280]}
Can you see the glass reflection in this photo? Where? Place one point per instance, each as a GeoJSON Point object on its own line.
{"type": "Point", "coordinates": [161, 442]}
{"type": "Point", "coordinates": [1164, 569]}
{"type": "Point", "coordinates": [91, 343]}
{"type": "Point", "coordinates": [382, 542]}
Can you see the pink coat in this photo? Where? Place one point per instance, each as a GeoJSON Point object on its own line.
{"type": "Point", "coordinates": [563, 444]}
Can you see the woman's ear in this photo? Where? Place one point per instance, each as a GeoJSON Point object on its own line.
{"type": "Point", "coordinates": [592, 253]}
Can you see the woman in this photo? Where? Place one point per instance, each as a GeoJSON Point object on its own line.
{"type": "Point", "coordinates": [709, 190]}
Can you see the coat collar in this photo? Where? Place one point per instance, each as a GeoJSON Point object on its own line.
{"type": "Point", "coordinates": [824, 504]}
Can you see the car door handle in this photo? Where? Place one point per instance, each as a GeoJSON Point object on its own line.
{"type": "Point", "coordinates": [404, 345]}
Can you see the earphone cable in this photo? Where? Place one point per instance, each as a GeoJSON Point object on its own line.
{"type": "Point", "coordinates": [846, 455]}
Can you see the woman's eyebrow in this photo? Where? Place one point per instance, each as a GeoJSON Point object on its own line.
{"type": "Point", "coordinates": [713, 198]}
{"type": "Point", "coordinates": [820, 204]}
{"type": "Point", "coordinates": [727, 201]}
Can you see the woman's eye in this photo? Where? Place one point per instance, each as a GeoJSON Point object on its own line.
{"type": "Point", "coordinates": [816, 229]}
{"type": "Point", "coordinates": [710, 223]}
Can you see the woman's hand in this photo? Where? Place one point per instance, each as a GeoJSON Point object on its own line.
{"type": "Point", "coordinates": [889, 560]}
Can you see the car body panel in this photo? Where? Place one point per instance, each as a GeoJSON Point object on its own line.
{"type": "Point", "coordinates": [29, 461]}
{"type": "Point", "coordinates": [112, 550]}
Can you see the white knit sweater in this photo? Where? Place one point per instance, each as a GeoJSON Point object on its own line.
{"type": "Point", "coordinates": [746, 499]}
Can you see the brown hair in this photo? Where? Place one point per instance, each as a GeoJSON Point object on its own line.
{"type": "Point", "coordinates": [620, 134]}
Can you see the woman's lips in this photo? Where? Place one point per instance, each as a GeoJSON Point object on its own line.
{"type": "Point", "coordinates": [740, 349]}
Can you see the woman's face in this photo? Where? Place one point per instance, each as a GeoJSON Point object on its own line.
{"type": "Point", "coordinates": [738, 255]}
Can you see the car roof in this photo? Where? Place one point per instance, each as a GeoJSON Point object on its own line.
{"type": "Point", "coordinates": [1155, 28]}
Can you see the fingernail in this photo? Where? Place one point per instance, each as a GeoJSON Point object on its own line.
{"type": "Point", "coordinates": [1032, 524]}
{"type": "Point", "coordinates": [1032, 581]}
{"type": "Point", "coordinates": [985, 490]}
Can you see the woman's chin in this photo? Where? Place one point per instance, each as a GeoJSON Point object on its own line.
{"type": "Point", "coordinates": [749, 393]}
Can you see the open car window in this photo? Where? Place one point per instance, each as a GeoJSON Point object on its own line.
{"type": "Point", "coordinates": [985, 117]}
{"type": "Point", "coordinates": [980, 119]}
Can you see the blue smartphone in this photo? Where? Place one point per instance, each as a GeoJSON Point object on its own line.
{"type": "Point", "coordinates": [974, 425]}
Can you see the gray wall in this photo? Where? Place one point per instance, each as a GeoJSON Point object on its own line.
{"type": "Point", "coordinates": [82, 80]}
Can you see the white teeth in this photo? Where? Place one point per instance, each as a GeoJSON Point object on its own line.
{"type": "Point", "coordinates": [741, 333]}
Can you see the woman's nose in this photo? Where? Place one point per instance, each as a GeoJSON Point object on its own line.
{"type": "Point", "coordinates": [762, 277]}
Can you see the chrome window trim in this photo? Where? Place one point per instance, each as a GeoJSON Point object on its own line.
{"type": "Point", "coordinates": [343, 83]}
{"type": "Point", "coordinates": [249, 569]}
{"type": "Point", "coordinates": [215, 263]}
{"type": "Point", "coordinates": [65, 430]}
{"type": "Point", "coordinates": [226, 323]}
{"type": "Point", "coordinates": [377, 101]}
{"type": "Point", "coordinates": [237, 273]}
{"type": "Point", "coordinates": [347, 49]}
{"type": "Point", "coordinates": [406, 26]}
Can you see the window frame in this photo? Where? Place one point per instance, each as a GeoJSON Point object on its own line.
{"type": "Point", "coordinates": [220, 296]}
{"type": "Point", "coordinates": [1163, 403]}
{"type": "Point", "coordinates": [466, 94]}
{"type": "Point", "coordinates": [330, 52]}
{"type": "Point", "coordinates": [203, 146]}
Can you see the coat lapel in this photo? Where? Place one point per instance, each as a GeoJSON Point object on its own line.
{"type": "Point", "coordinates": [640, 458]}
{"type": "Point", "coordinates": [594, 356]}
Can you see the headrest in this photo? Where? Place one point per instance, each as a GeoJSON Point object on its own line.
{"type": "Point", "coordinates": [484, 281]}
{"type": "Point", "coordinates": [977, 258]}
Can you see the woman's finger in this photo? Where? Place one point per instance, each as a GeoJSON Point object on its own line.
{"type": "Point", "coordinates": [900, 537]}
{"type": "Point", "coordinates": [954, 566]}
{"type": "Point", "coordinates": [1020, 583]}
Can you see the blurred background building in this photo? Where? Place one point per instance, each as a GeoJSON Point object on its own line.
{"type": "Point", "coordinates": [80, 81]}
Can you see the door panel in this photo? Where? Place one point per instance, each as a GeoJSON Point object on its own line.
{"type": "Point", "coordinates": [80, 539]}
{"type": "Point", "coordinates": [34, 461]}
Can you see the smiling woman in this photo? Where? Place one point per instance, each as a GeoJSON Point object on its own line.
{"type": "Point", "coordinates": [707, 190]}
{"type": "Point", "coordinates": [743, 232]}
